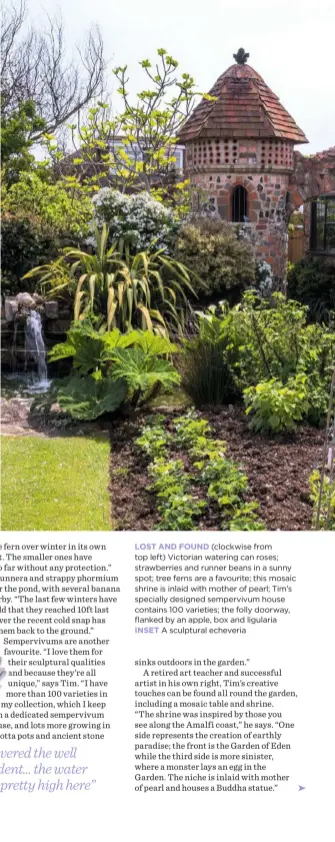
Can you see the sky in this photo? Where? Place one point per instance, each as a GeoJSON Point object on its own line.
{"type": "Point", "coordinates": [291, 45]}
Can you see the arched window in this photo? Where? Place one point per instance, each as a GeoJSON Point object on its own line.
{"type": "Point", "coordinates": [239, 205]}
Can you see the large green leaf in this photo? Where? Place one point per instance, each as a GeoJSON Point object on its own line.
{"type": "Point", "coordinates": [85, 398]}
{"type": "Point", "coordinates": [86, 347]}
{"type": "Point", "coordinates": [62, 351]}
{"type": "Point", "coordinates": [114, 338]}
{"type": "Point", "coordinates": [91, 350]}
{"type": "Point", "coordinates": [154, 345]}
{"type": "Point", "coordinates": [142, 371]}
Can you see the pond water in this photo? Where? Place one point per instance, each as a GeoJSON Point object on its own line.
{"type": "Point", "coordinates": [23, 385]}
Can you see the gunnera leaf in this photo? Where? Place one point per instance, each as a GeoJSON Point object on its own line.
{"type": "Point", "coordinates": [85, 398]}
{"type": "Point", "coordinates": [143, 371]}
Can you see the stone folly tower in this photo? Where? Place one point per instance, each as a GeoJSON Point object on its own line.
{"type": "Point", "coordinates": [239, 152]}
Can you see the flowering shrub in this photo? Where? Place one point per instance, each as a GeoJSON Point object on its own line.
{"type": "Point", "coordinates": [264, 279]}
{"type": "Point", "coordinates": [144, 223]}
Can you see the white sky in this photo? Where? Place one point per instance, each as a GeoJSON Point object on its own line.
{"type": "Point", "coordinates": [291, 44]}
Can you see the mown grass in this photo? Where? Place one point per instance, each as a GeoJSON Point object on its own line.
{"type": "Point", "coordinates": [56, 483]}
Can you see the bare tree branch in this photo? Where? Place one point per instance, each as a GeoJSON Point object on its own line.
{"type": "Point", "coordinates": [35, 66]}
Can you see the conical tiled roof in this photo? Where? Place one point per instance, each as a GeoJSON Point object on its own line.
{"type": "Point", "coordinates": [245, 107]}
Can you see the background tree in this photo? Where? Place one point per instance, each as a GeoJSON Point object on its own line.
{"type": "Point", "coordinates": [17, 129]}
{"type": "Point", "coordinates": [137, 147]}
{"type": "Point", "coordinates": [35, 68]}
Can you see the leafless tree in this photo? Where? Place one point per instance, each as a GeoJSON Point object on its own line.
{"type": "Point", "coordinates": [35, 66]}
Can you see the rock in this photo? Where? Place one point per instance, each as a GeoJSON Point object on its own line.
{"type": "Point", "coordinates": [6, 357]}
{"type": "Point", "coordinates": [11, 308]}
{"type": "Point", "coordinates": [38, 298]}
{"type": "Point", "coordinates": [5, 329]}
{"type": "Point", "coordinates": [24, 299]}
{"type": "Point", "coordinates": [58, 326]}
{"type": "Point", "coordinates": [51, 309]}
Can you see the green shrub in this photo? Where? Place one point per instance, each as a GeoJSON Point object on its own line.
{"type": "Point", "coordinates": [271, 339]}
{"type": "Point", "coordinates": [240, 346]}
{"type": "Point", "coordinates": [206, 377]}
{"type": "Point", "coordinates": [112, 370]}
{"type": "Point", "coordinates": [90, 350]}
{"type": "Point", "coordinates": [26, 242]}
{"type": "Point", "coordinates": [67, 211]}
{"type": "Point", "coordinates": [317, 361]}
{"type": "Point", "coordinates": [264, 337]}
{"type": "Point", "coordinates": [258, 340]}
{"type": "Point", "coordinates": [275, 407]}
{"type": "Point", "coordinates": [18, 126]}
{"type": "Point", "coordinates": [121, 290]}
{"type": "Point", "coordinates": [85, 398]}
{"type": "Point", "coordinates": [206, 364]}
{"type": "Point", "coordinates": [222, 263]}
{"type": "Point", "coordinates": [39, 219]}
{"type": "Point", "coordinates": [312, 282]}
{"type": "Point", "coordinates": [318, 397]}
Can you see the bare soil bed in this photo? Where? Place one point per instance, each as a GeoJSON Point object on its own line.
{"type": "Point", "coordinates": [278, 469]}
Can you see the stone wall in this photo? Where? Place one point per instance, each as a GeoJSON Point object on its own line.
{"type": "Point", "coordinates": [267, 212]}
{"type": "Point", "coordinates": [263, 167]}
{"type": "Point", "coordinates": [312, 176]}
{"type": "Point", "coordinates": [56, 321]}
{"type": "Point", "coordinates": [277, 180]}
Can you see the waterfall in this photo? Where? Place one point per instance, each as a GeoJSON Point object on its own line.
{"type": "Point", "coordinates": [35, 347]}
{"type": "Point", "coordinates": [13, 355]}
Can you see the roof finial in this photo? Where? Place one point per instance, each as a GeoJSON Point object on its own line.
{"type": "Point", "coordinates": [241, 57]}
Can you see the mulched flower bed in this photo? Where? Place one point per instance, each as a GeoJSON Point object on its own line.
{"type": "Point", "coordinates": [278, 470]}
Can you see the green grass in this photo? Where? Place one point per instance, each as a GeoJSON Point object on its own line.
{"type": "Point", "coordinates": [178, 399]}
{"type": "Point", "coordinates": [55, 483]}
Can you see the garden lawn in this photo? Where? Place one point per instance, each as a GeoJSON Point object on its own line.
{"type": "Point", "coordinates": [56, 483]}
